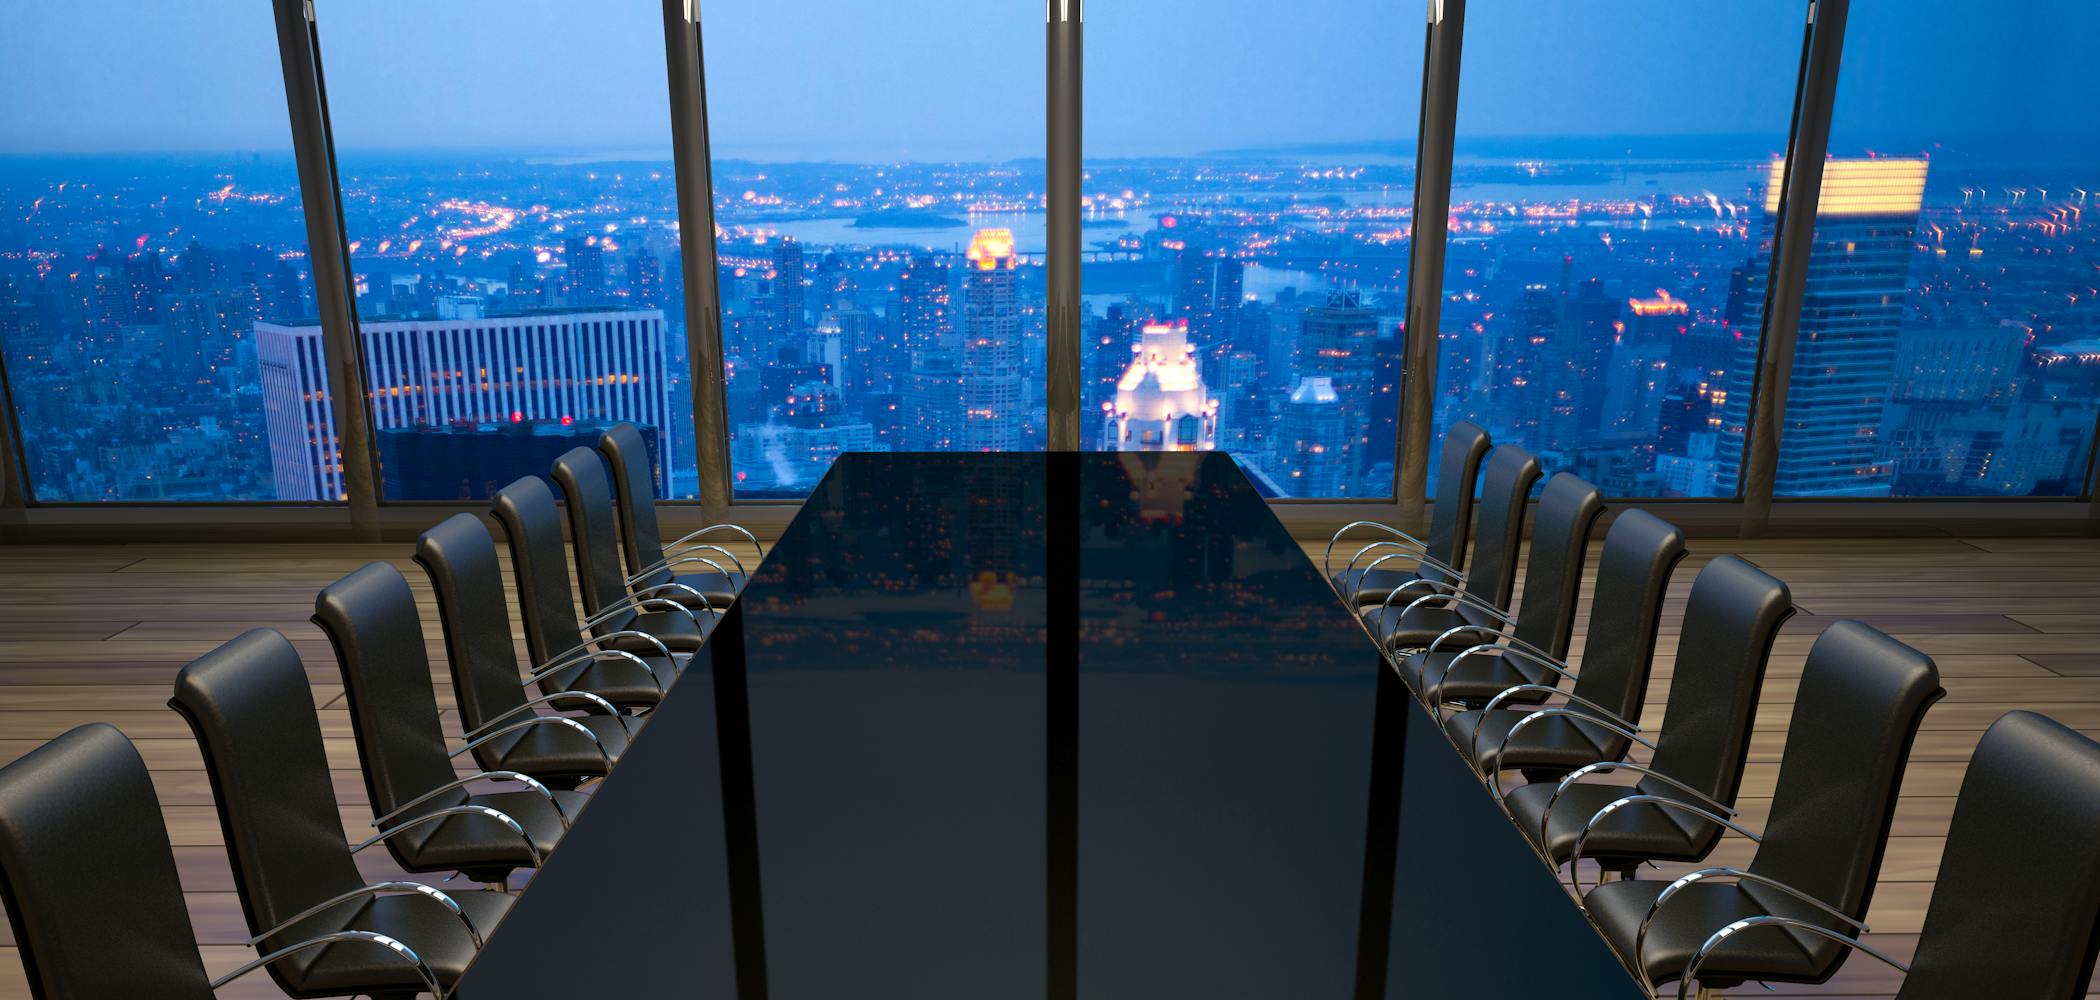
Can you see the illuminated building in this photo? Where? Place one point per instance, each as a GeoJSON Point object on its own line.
{"type": "Point", "coordinates": [582, 365]}
{"type": "Point", "coordinates": [1161, 404]}
{"type": "Point", "coordinates": [586, 263]}
{"type": "Point", "coordinates": [788, 293]}
{"type": "Point", "coordinates": [1845, 350]}
{"type": "Point", "coordinates": [991, 350]}
{"type": "Point", "coordinates": [1313, 420]}
{"type": "Point", "coordinates": [1338, 342]}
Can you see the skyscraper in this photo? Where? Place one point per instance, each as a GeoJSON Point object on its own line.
{"type": "Point", "coordinates": [1313, 418]}
{"type": "Point", "coordinates": [1845, 350]}
{"type": "Point", "coordinates": [923, 301]}
{"type": "Point", "coordinates": [1338, 342]}
{"type": "Point", "coordinates": [586, 263]}
{"type": "Point", "coordinates": [991, 354]}
{"type": "Point", "coordinates": [1161, 403]}
{"type": "Point", "coordinates": [599, 365]}
{"type": "Point", "coordinates": [788, 294]}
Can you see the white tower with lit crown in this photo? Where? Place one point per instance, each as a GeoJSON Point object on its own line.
{"type": "Point", "coordinates": [1161, 404]}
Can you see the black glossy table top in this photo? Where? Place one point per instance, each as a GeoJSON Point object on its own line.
{"type": "Point", "coordinates": [1042, 726]}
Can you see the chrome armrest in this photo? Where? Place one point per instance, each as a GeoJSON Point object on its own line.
{"type": "Point", "coordinates": [1575, 776]}
{"type": "Point", "coordinates": [706, 606]}
{"type": "Point", "coordinates": [686, 555]}
{"type": "Point", "coordinates": [722, 526]}
{"type": "Point", "coordinates": [1526, 651]}
{"type": "Point", "coordinates": [628, 633]}
{"type": "Point", "coordinates": [637, 605]}
{"type": "Point", "coordinates": [374, 889]}
{"type": "Point", "coordinates": [549, 669]}
{"type": "Point", "coordinates": [1661, 801]}
{"type": "Point", "coordinates": [1418, 582]}
{"type": "Point", "coordinates": [532, 703]}
{"type": "Point", "coordinates": [1350, 568]}
{"type": "Point", "coordinates": [1609, 721]}
{"type": "Point", "coordinates": [1691, 969]}
{"type": "Point", "coordinates": [494, 814]}
{"type": "Point", "coordinates": [537, 720]}
{"type": "Point", "coordinates": [526, 780]}
{"type": "Point", "coordinates": [1514, 645]}
{"type": "Point", "coordinates": [1640, 937]}
{"type": "Point", "coordinates": [1327, 561]}
{"type": "Point", "coordinates": [423, 969]}
{"type": "Point", "coordinates": [1438, 642]}
{"type": "Point", "coordinates": [1455, 598]}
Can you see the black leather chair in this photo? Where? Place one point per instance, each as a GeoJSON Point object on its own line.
{"type": "Point", "coordinates": [2015, 909]}
{"type": "Point", "coordinates": [1601, 716]}
{"type": "Point", "coordinates": [1442, 555]}
{"type": "Point", "coordinates": [370, 618]}
{"type": "Point", "coordinates": [1861, 699]}
{"type": "Point", "coordinates": [498, 718]}
{"type": "Point", "coordinates": [1403, 616]}
{"type": "Point", "coordinates": [682, 623]}
{"type": "Point", "coordinates": [91, 890]}
{"type": "Point", "coordinates": [1733, 614]}
{"type": "Point", "coordinates": [1514, 658]}
{"type": "Point", "coordinates": [651, 560]}
{"type": "Point", "coordinates": [547, 609]}
{"type": "Point", "coordinates": [253, 715]}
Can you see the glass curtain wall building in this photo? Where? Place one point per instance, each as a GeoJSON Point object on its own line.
{"type": "Point", "coordinates": [146, 235]}
{"type": "Point", "coordinates": [510, 215]}
{"type": "Point", "coordinates": [513, 235]}
{"type": "Point", "coordinates": [1604, 254]}
{"type": "Point", "coordinates": [1247, 221]}
{"type": "Point", "coordinates": [879, 231]}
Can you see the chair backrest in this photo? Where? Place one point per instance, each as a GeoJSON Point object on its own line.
{"type": "Point", "coordinates": [1861, 699]}
{"type": "Point", "coordinates": [370, 617]}
{"type": "Point", "coordinates": [1504, 490]}
{"type": "Point", "coordinates": [1732, 616]}
{"type": "Point", "coordinates": [539, 567]}
{"type": "Point", "coordinates": [1560, 546]}
{"type": "Point", "coordinates": [2015, 911]}
{"type": "Point", "coordinates": [634, 475]}
{"type": "Point", "coordinates": [1641, 551]}
{"type": "Point", "coordinates": [88, 877]}
{"type": "Point", "coordinates": [252, 711]}
{"type": "Point", "coordinates": [460, 558]}
{"type": "Point", "coordinates": [587, 494]}
{"type": "Point", "coordinates": [1457, 473]}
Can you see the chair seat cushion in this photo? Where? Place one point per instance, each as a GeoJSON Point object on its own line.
{"type": "Point", "coordinates": [679, 631]}
{"type": "Point", "coordinates": [719, 588]}
{"type": "Point", "coordinates": [1636, 833]}
{"type": "Point", "coordinates": [481, 843]}
{"type": "Point", "coordinates": [1373, 587]}
{"type": "Point", "coordinates": [425, 925]}
{"type": "Point", "coordinates": [1475, 679]}
{"type": "Point", "coordinates": [623, 682]}
{"type": "Point", "coordinates": [1555, 743]}
{"type": "Point", "coordinates": [557, 751]}
{"type": "Point", "coordinates": [1695, 912]}
{"type": "Point", "coordinates": [1414, 629]}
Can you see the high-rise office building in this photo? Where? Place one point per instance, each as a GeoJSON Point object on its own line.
{"type": "Point", "coordinates": [586, 263]}
{"type": "Point", "coordinates": [923, 302]}
{"type": "Point", "coordinates": [583, 365]}
{"type": "Point", "coordinates": [789, 297]}
{"type": "Point", "coordinates": [1338, 342]}
{"type": "Point", "coordinates": [991, 352]}
{"type": "Point", "coordinates": [1160, 402]}
{"type": "Point", "coordinates": [1313, 420]}
{"type": "Point", "coordinates": [1845, 350]}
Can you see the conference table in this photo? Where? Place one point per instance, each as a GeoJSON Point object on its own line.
{"type": "Point", "coordinates": [1070, 725]}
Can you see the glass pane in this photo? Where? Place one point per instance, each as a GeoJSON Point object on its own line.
{"type": "Point", "coordinates": [879, 225]}
{"type": "Point", "coordinates": [513, 226]}
{"type": "Point", "coordinates": [1950, 330]}
{"type": "Point", "coordinates": [1605, 220]}
{"type": "Point", "coordinates": [1246, 234]}
{"type": "Point", "coordinates": [150, 237]}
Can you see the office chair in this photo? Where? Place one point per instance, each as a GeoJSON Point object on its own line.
{"type": "Point", "coordinates": [650, 560]}
{"type": "Point", "coordinates": [495, 713]}
{"type": "Point", "coordinates": [1442, 555]}
{"type": "Point", "coordinates": [1405, 620]}
{"type": "Point", "coordinates": [612, 605]}
{"type": "Point", "coordinates": [253, 715]}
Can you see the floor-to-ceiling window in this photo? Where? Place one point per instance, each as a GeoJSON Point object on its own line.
{"type": "Point", "coordinates": [1949, 338]}
{"type": "Point", "coordinates": [513, 230]}
{"type": "Point", "coordinates": [879, 230]}
{"type": "Point", "coordinates": [1607, 210]}
{"type": "Point", "coordinates": [150, 226]}
{"type": "Point", "coordinates": [1248, 201]}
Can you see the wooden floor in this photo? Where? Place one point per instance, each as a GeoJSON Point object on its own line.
{"type": "Point", "coordinates": [92, 633]}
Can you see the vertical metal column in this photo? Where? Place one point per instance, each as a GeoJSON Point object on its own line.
{"type": "Point", "coordinates": [1065, 28]}
{"type": "Point", "coordinates": [1425, 283]}
{"type": "Point", "coordinates": [306, 99]}
{"type": "Point", "coordinates": [692, 173]}
{"type": "Point", "coordinates": [1792, 242]}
